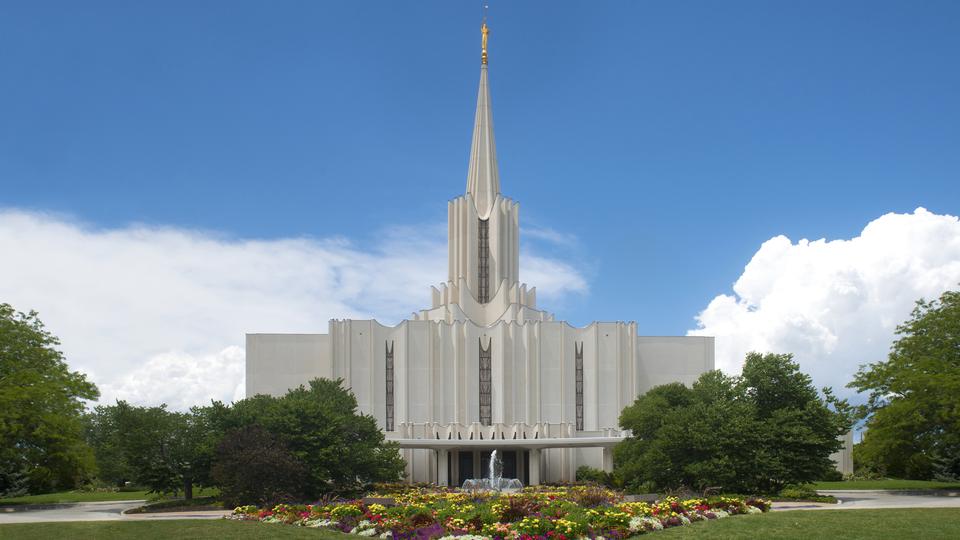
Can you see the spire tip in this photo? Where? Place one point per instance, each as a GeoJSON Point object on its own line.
{"type": "Point", "coordinates": [484, 31]}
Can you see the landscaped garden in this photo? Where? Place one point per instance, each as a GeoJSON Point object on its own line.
{"type": "Point", "coordinates": [535, 513]}
{"type": "Point", "coordinates": [894, 524]}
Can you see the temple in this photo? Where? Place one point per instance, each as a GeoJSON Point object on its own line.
{"type": "Point", "coordinates": [483, 367]}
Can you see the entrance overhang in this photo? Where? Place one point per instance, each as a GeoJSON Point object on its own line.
{"type": "Point", "coordinates": [507, 444]}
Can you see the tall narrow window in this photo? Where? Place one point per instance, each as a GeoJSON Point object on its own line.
{"type": "Point", "coordinates": [485, 383]}
{"type": "Point", "coordinates": [389, 393]}
{"type": "Point", "coordinates": [578, 360]}
{"type": "Point", "coordinates": [483, 261]}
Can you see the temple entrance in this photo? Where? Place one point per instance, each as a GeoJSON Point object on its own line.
{"type": "Point", "coordinates": [476, 464]}
{"type": "Point", "coordinates": [509, 458]}
{"type": "Point", "coordinates": [465, 464]}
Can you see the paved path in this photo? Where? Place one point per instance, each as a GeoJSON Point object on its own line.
{"type": "Point", "coordinates": [863, 499]}
{"type": "Point", "coordinates": [95, 511]}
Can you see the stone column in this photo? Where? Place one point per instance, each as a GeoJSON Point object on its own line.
{"type": "Point", "coordinates": [608, 458]}
{"type": "Point", "coordinates": [443, 458]}
{"type": "Point", "coordinates": [535, 467]}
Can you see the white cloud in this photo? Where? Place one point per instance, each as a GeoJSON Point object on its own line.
{"type": "Point", "coordinates": [834, 304]}
{"type": "Point", "coordinates": [552, 236]}
{"type": "Point", "coordinates": [158, 314]}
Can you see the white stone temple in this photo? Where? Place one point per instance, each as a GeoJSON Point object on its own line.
{"type": "Point", "coordinates": [484, 367]}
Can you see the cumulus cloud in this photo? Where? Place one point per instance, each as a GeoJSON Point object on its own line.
{"type": "Point", "coordinates": [834, 304]}
{"type": "Point", "coordinates": [158, 314]}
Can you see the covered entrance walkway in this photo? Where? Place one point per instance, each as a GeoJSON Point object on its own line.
{"type": "Point", "coordinates": [459, 460]}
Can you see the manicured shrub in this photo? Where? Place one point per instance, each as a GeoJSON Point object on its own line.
{"type": "Point", "coordinates": [591, 475]}
{"type": "Point", "coordinates": [253, 467]}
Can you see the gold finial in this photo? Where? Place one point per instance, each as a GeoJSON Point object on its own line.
{"type": "Point", "coordinates": [484, 30]}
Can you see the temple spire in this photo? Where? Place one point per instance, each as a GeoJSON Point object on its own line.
{"type": "Point", "coordinates": [483, 177]}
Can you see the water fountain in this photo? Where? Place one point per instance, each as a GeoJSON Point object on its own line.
{"type": "Point", "coordinates": [494, 480]}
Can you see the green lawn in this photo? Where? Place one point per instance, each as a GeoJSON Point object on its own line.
{"type": "Point", "coordinates": [886, 484]}
{"type": "Point", "coordinates": [147, 530]}
{"type": "Point", "coordinates": [926, 523]}
{"type": "Point", "coordinates": [90, 496]}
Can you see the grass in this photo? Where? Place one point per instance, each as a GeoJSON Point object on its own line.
{"type": "Point", "coordinates": [79, 496]}
{"type": "Point", "coordinates": [886, 484]}
{"type": "Point", "coordinates": [166, 529]}
{"type": "Point", "coordinates": [94, 496]}
{"type": "Point", "coordinates": [926, 523]}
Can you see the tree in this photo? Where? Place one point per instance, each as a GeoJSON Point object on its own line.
{"type": "Point", "coordinates": [799, 429]}
{"type": "Point", "coordinates": [41, 407]}
{"type": "Point", "coordinates": [254, 467]}
{"type": "Point", "coordinates": [165, 450]}
{"type": "Point", "coordinates": [754, 433]}
{"type": "Point", "coordinates": [343, 450]}
{"type": "Point", "coordinates": [913, 417]}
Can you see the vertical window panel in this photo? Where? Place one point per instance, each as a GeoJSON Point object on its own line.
{"type": "Point", "coordinates": [389, 382]}
{"type": "Point", "coordinates": [578, 360]}
{"type": "Point", "coordinates": [486, 380]}
{"type": "Point", "coordinates": [483, 261]}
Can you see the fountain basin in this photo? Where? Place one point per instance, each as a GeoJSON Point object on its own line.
{"type": "Point", "coordinates": [500, 485]}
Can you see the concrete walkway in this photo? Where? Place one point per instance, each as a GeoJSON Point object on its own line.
{"type": "Point", "coordinates": [94, 511]}
{"type": "Point", "coordinates": [865, 499]}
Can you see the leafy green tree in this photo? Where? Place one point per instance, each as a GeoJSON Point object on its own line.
{"type": "Point", "coordinates": [254, 467]}
{"type": "Point", "coordinates": [165, 450]}
{"type": "Point", "coordinates": [343, 451]}
{"type": "Point", "coordinates": [913, 412]}
{"type": "Point", "coordinates": [41, 406]}
{"type": "Point", "coordinates": [754, 433]}
{"type": "Point", "coordinates": [799, 429]}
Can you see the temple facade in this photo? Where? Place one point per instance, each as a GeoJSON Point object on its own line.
{"type": "Point", "coordinates": [483, 367]}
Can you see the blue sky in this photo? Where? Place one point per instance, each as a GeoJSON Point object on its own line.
{"type": "Point", "coordinates": [669, 139]}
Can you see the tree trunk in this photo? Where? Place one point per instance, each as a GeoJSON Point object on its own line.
{"type": "Point", "coordinates": [187, 488]}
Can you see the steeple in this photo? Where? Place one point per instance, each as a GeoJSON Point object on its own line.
{"type": "Point", "coordinates": [483, 178]}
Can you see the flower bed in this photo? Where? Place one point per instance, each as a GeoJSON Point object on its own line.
{"type": "Point", "coordinates": [553, 514]}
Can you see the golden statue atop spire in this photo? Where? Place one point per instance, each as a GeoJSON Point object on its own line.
{"type": "Point", "coordinates": [484, 30]}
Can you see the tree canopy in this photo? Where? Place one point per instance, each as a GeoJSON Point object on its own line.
{"type": "Point", "coordinates": [343, 450]}
{"type": "Point", "coordinates": [913, 412]}
{"type": "Point", "coordinates": [254, 467]}
{"type": "Point", "coordinates": [753, 433]}
{"type": "Point", "coordinates": [167, 451]}
{"type": "Point", "coordinates": [41, 407]}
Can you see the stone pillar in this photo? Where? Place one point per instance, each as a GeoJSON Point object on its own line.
{"type": "Point", "coordinates": [535, 467]}
{"type": "Point", "coordinates": [608, 458]}
{"type": "Point", "coordinates": [443, 458]}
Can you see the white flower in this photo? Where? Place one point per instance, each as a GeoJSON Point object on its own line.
{"type": "Point", "coordinates": [645, 523]}
{"type": "Point", "coordinates": [367, 532]}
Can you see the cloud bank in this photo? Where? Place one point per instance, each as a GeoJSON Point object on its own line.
{"type": "Point", "coordinates": [834, 304]}
{"type": "Point", "coordinates": [158, 314]}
